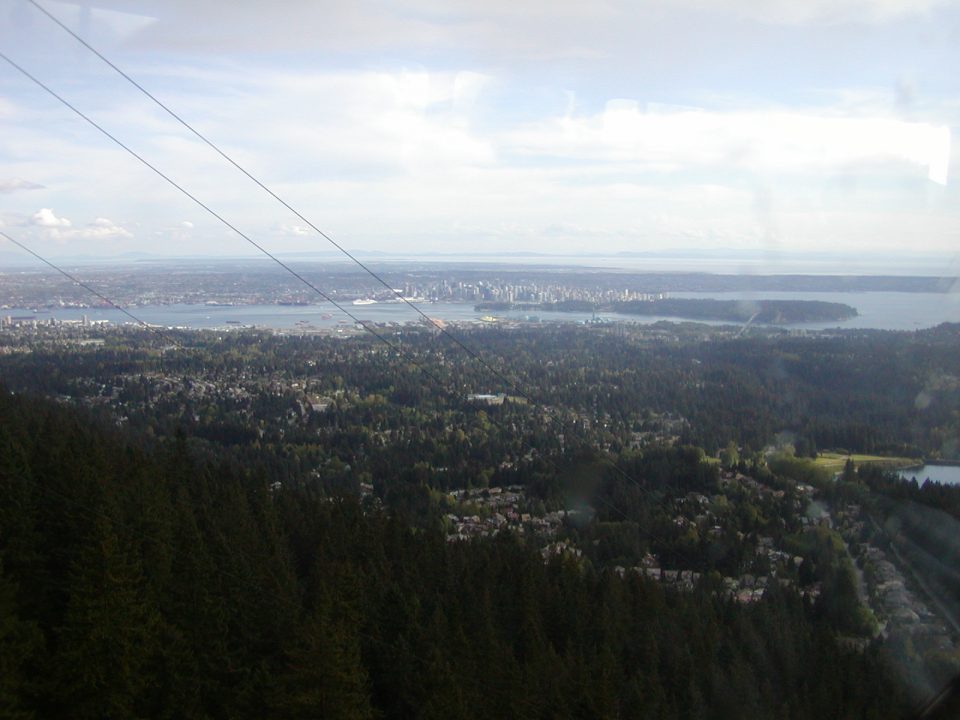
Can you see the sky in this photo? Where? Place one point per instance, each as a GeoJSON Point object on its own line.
{"type": "Point", "coordinates": [445, 126]}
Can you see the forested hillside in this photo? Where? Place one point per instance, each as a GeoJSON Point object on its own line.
{"type": "Point", "coordinates": [148, 582]}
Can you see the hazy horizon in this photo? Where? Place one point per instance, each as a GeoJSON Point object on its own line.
{"type": "Point", "coordinates": [681, 261]}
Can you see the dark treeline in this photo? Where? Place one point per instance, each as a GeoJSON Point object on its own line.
{"type": "Point", "coordinates": [932, 494]}
{"type": "Point", "coordinates": [139, 582]}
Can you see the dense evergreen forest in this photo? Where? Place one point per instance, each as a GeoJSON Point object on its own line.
{"type": "Point", "coordinates": [207, 524]}
{"type": "Point", "coordinates": [150, 582]}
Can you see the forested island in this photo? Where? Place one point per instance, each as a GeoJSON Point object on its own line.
{"type": "Point", "coordinates": [214, 524]}
{"type": "Point", "coordinates": [771, 312]}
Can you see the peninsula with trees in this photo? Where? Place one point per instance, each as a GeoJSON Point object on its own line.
{"type": "Point", "coordinates": [771, 312]}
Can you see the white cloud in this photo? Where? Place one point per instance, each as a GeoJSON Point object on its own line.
{"type": "Point", "coordinates": [46, 218]}
{"type": "Point", "coordinates": [344, 124]}
{"type": "Point", "coordinates": [538, 29]}
{"type": "Point", "coordinates": [777, 141]}
{"type": "Point", "coordinates": [100, 229]}
{"type": "Point", "coordinates": [62, 229]}
{"type": "Point", "coordinates": [16, 184]}
{"type": "Point", "coordinates": [186, 225]}
{"type": "Point", "coordinates": [804, 12]}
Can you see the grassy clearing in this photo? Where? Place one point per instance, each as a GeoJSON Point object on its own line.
{"type": "Point", "coordinates": [834, 462]}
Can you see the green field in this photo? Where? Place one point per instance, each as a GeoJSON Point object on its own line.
{"type": "Point", "coordinates": [834, 462]}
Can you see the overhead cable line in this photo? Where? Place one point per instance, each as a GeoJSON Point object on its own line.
{"type": "Point", "coordinates": [510, 383]}
{"type": "Point", "coordinates": [463, 346]}
{"type": "Point", "coordinates": [620, 471]}
{"type": "Point", "coordinates": [85, 286]}
{"type": "Point", "coordinates": [215, 214]}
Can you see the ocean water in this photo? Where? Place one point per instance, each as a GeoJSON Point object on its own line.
{"type": "Point", "coordinates": [878, 310]}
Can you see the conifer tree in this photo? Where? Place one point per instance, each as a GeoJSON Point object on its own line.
{"type": "Point", "coordinates": [325, 676]}
{"type": "Point", "coordinates": [20, 646]}
{"type": "Point", "coordinates": [109, 632]}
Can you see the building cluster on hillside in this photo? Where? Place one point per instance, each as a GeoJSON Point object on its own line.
{"type": "Point", "coordinates": [745, 588]}
{"type": "Point", "coordinates": [486, 512]}
{"type": "Point", "coordinates": [658, 429]}
{"type": "Point", "coordinates": [902, 608]}
{"type": "Point", "coordinates": [899, 608]}
{"type": "Point", "coordinates": [487, 398]}
{"type": "Point", "coordinates": [769, 565]}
